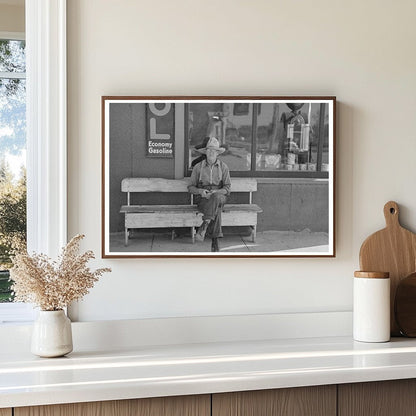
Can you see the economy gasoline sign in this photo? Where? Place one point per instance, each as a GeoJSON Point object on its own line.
{"type": "Point", "coordinates": [160, 119]}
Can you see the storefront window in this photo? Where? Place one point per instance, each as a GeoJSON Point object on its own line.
{"type": "Point", "coordinates": [289, 137]}
{"type": "Point", "coordinates": [325, 143]}
{"type": "Point", "coordinates": [230, 124]}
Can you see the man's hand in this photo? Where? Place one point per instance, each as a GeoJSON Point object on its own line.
{"type": "Point", "coordinates": [218, 191]}
{"type": "Point", "coordinates": [205, 193]}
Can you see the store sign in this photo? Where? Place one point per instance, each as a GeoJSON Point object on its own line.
{"type": "Point", "coordinates": [160, 130]}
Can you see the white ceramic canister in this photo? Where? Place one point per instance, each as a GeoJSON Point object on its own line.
{"type": "Point", "coordinates": [371, 314]}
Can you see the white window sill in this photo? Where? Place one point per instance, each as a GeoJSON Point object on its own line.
{"type": "Point", "coordinates": [16, 313]}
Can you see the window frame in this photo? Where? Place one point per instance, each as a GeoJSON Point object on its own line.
{"type": "Point", "coordinates": [46, 136]}
{"type": "Point", "coordinates": [46, 125]}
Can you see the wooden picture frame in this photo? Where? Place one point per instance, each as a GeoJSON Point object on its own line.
{"type": "Point", "coordinates": [279, 151]}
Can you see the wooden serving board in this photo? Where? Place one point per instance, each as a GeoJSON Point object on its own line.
{"type": "Point", "coordinates": [405, 305]}
{"type": "Point", "coordinates": [393, 250]}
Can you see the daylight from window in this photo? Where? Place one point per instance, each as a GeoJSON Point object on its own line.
{"type": "Point", "coordinates": [12, 156]}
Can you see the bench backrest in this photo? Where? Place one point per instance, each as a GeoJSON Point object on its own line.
{"type": "Point", "coordinates": [179, 185]}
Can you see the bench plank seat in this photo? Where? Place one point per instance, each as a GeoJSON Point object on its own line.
{"type": "Point", "coordinates": [179, 185]}
{"type": "Point", "coordinates": [185, 215]}
{"type": "Point", "coordinates": [186, 219]}
{"type": "Point", "coordinates": [185, 208]}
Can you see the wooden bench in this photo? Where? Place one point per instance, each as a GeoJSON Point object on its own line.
{"type": "Point", "coordinates": [185, 215]}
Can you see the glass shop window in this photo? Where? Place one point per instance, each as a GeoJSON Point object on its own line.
{"type": "Point", "coordinates": [290, 139]}
{"type": "Point", "coordinates": [287, 140]}
{"type": "Point", "coordinates": [232, 128]}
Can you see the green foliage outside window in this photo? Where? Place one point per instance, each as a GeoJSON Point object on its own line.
{"type": "Point", "coordinates": [12, 147]}
{"type": "Point", "coordinates": [12, 223]}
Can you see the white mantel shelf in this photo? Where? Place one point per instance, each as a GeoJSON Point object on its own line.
{"type": "Point", "coordinates": [167, 370]}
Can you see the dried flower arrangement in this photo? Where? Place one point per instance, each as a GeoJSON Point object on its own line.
{"type": "Point", "coordinates": [53, 285]}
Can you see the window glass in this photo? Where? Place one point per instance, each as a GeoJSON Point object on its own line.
{"type": "Point", "coordinates": [271, 138]}
{"type": "Point", "coordinates": [12, 156]}
{"type": "Point", "coordinates": [12, 56]}
{"type": "Point", "coordinates": [287, 137]}
{"type": "Point", "coordinates": [325, 147]}
{"type": "Point", "coordinates": [231, 126]}
{"type": "Point", "coordinates": [13, 123]}
{"type": "Point", "coordinates": [314, 132]}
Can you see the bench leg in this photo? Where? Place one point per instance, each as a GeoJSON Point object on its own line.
{"type": "Point", "coordinates": [126, 237]}
{"type": "Point", "coordinates": [173, 235]}
{"type": "Point", "coordinates": [193, 234]}
{"type": "Point", "coordinates": [253, 233]}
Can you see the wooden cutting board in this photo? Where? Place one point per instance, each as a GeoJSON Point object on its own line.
{"type": "Point", "coordinates": [393, 250]}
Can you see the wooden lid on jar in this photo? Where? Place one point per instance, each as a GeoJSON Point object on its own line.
{"type": "Point", "coordinates": [372, 275]}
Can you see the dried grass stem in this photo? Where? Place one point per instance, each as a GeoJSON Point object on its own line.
{"type": "Point", "coordinates": [53, 285]}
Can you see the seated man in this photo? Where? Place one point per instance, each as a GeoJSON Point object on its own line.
{"type": "Point", "coordinates": [211, 183]}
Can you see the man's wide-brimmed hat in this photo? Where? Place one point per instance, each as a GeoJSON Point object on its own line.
{"type": "Point", "coordinates": [203, 144]}
{"type": "Point", "coordinates": [213, 143]}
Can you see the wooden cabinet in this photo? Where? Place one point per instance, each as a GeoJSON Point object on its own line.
{"type": "Point", "coordinates": [381, 398]}
{"type": "Point", "coordinates": [163, 406]}
{"type": "Point", "coordinates": [300, 401]}
{"type": "Point", "coordinates": [385, 398]}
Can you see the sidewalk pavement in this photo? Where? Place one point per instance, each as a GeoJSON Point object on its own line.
{"type": "Point", "coordinates": [142, 241]}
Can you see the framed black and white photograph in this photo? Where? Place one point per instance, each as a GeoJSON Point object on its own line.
{"type": "Point", "coordinates": [218, 176]}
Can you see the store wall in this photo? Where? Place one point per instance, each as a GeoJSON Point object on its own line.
{"type": "Point", "coordinates": [360, 51]}
{"type": "Point", "coordinates": [128, 157]}
{"type": "Point", "coordinates": [293, 205]}
{"type": "Point", "coordinates": [12, 18]}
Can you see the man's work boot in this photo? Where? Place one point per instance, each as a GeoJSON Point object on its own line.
{"type": "Point", "coordinates": [214, 245]}
{"type": "Point", "coordinates": [200, 234]}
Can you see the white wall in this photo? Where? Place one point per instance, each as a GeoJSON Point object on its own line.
{"type": "Point", "coordinates": [360, 51]}
{"type": "Point", "coordinates": [12, 18]}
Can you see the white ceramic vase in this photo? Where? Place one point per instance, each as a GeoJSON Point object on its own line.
{"type": "Point", "coordinates": [52, 334]}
